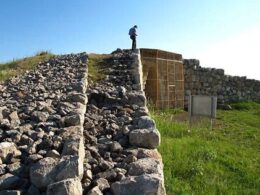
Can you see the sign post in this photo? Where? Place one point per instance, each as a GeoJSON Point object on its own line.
{"type": "Point", "coordinates": [200, 105]}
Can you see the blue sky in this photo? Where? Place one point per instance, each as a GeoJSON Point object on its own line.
{"type": "Point", "coordinates": [220, 33]}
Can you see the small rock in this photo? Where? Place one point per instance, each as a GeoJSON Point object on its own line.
{"type": "Point", "coordinates": [101, 183]}
{"type": "Point", "coordinates": [53, 154]}
{"type": "Point", "coordinates": [39, 116]}
{"type": "Point", "coordinates": [116, 147]}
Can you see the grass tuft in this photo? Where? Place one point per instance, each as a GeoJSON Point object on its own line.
{"type": "Point", "coordinates": [96, 66]}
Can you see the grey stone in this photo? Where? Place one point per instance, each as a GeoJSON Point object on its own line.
{"type": "Point", "coordinates": [65, 187]}
{"type": "Point", "coordinates": [69, 167]}
{"type": "Point", "coordinates": [8, 150]}
{"type": "Point", "coordinates": [14, 119]}
{"type": "Point", "coordinates": [72, 120]}
{"type": "Point", "coordinates": [102, 184]}
{"type": "Point", "coordinates": [151, 184]}
{"type": "Point", "coordinates": [146, 138]}
{"type": "Point", "coordinates": [16, 168]}
{"type": "Point", "coordinates": [95, 191]}
{"type": "Point", "coordinates": [43, 172]}
{"type": "Point", "coordinates": [116, 147]}
{"type": "Point", "coordinates": [145, 122]}
{"type": "Point", "coordinates": [39, 116]}
{"type": "Point", "coordinates": [77, 97]}
{"type": "Point", "coordinates": [145, 166]}
{"type": "Point", "coordinates": [8, 181]}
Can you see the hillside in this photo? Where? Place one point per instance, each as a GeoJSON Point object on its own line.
{"type": "Point", "coordinates": [66, 133]}
{"type": "Point", "coordinates": [87, 114]}
{"type": "Point", "coordinates": [18, 67]}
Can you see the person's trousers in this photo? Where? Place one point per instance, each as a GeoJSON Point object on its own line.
{"type": "Point", "coordinates": [133, 42]}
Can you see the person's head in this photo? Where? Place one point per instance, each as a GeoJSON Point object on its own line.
{"type": "Point", "coordinates": [135, 26]}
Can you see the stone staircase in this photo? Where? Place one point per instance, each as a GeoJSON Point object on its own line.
{"type": "Point", "coordinates": [59, 135]}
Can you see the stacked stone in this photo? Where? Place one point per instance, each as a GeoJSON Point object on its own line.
{"type": "Point", "coordinates": [41, 134]}
{"type": "Point", "coordinates": [120, 137]}
{"type": "Point", "coordinates": [211, 81]}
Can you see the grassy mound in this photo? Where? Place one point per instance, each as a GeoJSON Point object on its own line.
{"type": "Point", "coordinates": [19, 66]}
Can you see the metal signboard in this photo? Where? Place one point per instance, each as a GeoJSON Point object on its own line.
{"type": "Point", "coordinates": [201, 105]}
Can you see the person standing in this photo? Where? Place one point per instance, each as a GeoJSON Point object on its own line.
{"type": "Point", "coordinates": [133, 34]}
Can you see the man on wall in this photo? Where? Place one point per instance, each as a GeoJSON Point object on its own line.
{"type": "Point", "coordinates": [133, 34]}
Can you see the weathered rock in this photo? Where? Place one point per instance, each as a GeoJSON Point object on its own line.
{"type": "Point", "coordinates": [116, 147]}
{"type": "Point", "coordinates": [72, 120]}
{"type": "Point", "coordinates": [69, 167]}
{"type": "Point", "coordinates": [102, 184]}
{"type": "Point", "coordinates": [141, 185]}
{"type": "Point", "coordinates": [39, 116]}
{"type": "Point", "coordinates": [145, 122]}
{"type": "Point", "coordinates": [8, 181]}
{"type": "Point", "coordinates": [146, 138]}
{"type": "Point", "coordinates": [65, 187]}
{"type": "Point", "coordinates": [14, 119]}
{"type": "Point", "coordinates": [43, 172]}
{"type": "Point", "coordinates": [145, 166]}
{"type": "Point", "coordinates": [8, 150]}
{"type": "Point", "coordinates": [95, 191]}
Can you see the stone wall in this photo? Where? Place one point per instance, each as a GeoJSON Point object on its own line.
{"type": "Point", "coordinates": [211, 81]}
{"type": "Point", "coordinates": [53, 141]}
{"type": "Point", "coordinates": [41, 128]}
{"type": "Point", "coordinates": [120, 137]}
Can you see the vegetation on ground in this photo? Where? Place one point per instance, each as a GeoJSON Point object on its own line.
{"type": "Point", "coordinates": [17, 67]}
{"type": "Point", "coordinates": [96, 66]}
{"type": "Point", "coordinates": [225, 160]}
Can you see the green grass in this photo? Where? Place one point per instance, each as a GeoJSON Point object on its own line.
{"type": "Point", "coordinates": [95, 66]}
{"type": "Point", "coordinates": [19, 66]}
{"type": "Point", "coordinates": [225, 160]}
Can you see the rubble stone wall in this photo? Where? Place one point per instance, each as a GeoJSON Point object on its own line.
{"type": "Point", "coordinates": [54, 141]}
{"type": "Point", "coordinates": [41, 128]}
{"type": "Point", "coordinates": [214, 82]}
{"type": "Point", "coordinates": [120, 136]}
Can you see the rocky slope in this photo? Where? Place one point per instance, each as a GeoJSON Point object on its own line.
{"type": "Point", "coordinates": [39, 111]}
{"type": "Point", "coordinates": [53, 141]}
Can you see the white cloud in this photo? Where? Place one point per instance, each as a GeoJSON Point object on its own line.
{"type": "Point", "coordinates": [238, 55]}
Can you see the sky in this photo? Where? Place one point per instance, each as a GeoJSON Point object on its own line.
{"type": "Point", "coordinates": [220, 33]}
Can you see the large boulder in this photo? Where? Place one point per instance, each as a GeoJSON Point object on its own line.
{"type": "Point", "coordinates": [49, 170]}
{"type": "Point", "coordinates": [147, 184]}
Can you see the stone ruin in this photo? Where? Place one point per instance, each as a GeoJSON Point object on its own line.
{"type": "Point", "coordinates": [214, 82]}
{"type": "Point", "coordinates": [61, 135]}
